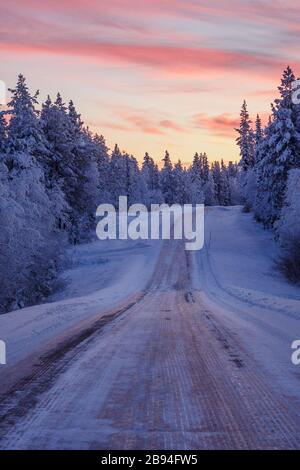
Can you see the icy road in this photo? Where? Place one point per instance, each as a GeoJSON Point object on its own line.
{"type": "Point", "coordinates": [197, 355]}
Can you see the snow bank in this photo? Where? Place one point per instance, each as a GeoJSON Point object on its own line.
{"type": "Point", "coordinates": [103, 274]}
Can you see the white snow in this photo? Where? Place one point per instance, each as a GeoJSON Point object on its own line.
{"type": "Point", "coordinates": [103, 274]}
{"type": "Point", "coordinates": [237, 274]}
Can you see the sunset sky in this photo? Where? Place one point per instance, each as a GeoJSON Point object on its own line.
{"type": "Point", "coordinates": [154, 74]}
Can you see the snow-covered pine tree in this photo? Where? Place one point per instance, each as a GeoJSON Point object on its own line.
{"type": "Point", "coordinates": [103, 164]}
{"type": "Point", "coordinates": [117, 181]}
{"type": "Point", "coordinates": [25, 137]}
{"type": "Point", "coordinates": [166, 179]}
{"type": "Point", "coordinates": [157, 195]}
{"type": "Point", "coordinates": [216, 173]}
{"type": "Point", "coordinates": [3, 129]}
{"type": "Point", "coordinates": [258, 132]}
{"type": "Point", "coordinates": [179, 175]}
{"type": "Point", "coordinates": [297, 109]}
{"type": "Point", "coordinates": [204, 168]}
{"type": "Point", "coordinates": [133, 180]}
{"type": "Point", "coordinates": [224, 189]}
{"type": "Point", "coordinates": [147, 174]}
{"type": "Point", "coordinates": [50, 123]}
{"type": "Point", "coordinates": [72, 167]}
{"type": "Point", "coordinates": [209, 190]}
{"type": "Point", "coordinates": [28, 232]}
{"type": "Point", "coordinates": [245, 140]}
{"type": "Point", "coordinates": [258, 194]}
{"type": "Point", "coordinates": [288, 228]}
{"type": "Point", "coordinates": [150, 175]}
{"type": "Point", "coordinates": [84, 198]}
{"type": "Point", "coordinates": [89, 196]}
{"type": "Point", "coordinates": [195, 190]}
{"type": "Point", "coordinates": [280, 153]}
{"type": "Point", "coordinates": [234, 186]}
{"type": "Point", "coordinates": [59, 163]}
{"type": "Point", "coordinates": [232, 169]}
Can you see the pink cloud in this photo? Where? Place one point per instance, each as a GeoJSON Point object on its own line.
{"type": "Point", "coordinates": [143, 124]}
{"type": "Point", "coordinates": [221, 125]}
{"type": "Point", "coordinates": [224, 125]}
{"type": "Point", "coordinates": [282, 11]}
{"type": "Point", "coordinates": [88, 30]}
{"type": "Point", "coordinates": [168, 124]}
{"type": "Point", "coordinates": [112, 125]}
{"type": "Point", "coordinates": [129, 14]}
{"type": "Point", "coordinates": [177, 60]}
{"type": "Point", "coordinates": [131, 119]}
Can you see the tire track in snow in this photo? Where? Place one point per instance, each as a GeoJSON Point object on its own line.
{"type": "Point", "coordinates": [159, 376]}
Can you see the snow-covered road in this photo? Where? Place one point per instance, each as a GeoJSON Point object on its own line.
{"type": "Point", "coordinates": [237, 274]}
{"type": "Point", "coordinates": [197, 358]}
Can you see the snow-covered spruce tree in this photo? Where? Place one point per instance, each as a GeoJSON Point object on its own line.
{"type": "Point", "coordinates": [209, 186]}
{"type": "Point", "coordinates": [134, 184]}
{"type": "Point", "coordinates": [204, 167]}
{"type": "Point", "coordinates": [166, 179]}
{"type": "Point", "coordinates": [258, 133]}
{"type": "Point", "coordinates": [72, 166]}
{"type": "Point", "coordinates": [248, 180]}
{"type": "Point", "coordinates": [150, 175]}
{"type": "Point", "coordinates": [83, 196]}
{"type": "Point", "coordinates": [245, 140]}
{"type": "Point", "coordinates": [103, 164]}
{"type": "Point", "coordinates": [209, 190]}
{"type": "Point", "coordinates": [59, 163]}
{"type": "Point", "coordinates": [232, 169]}
{"type": "Point", "coordinates": [195, 181]}
{"type": "Point", "coordinates": [3, 129]}
{"type": "Point", "coordinates": [29, 239]}
{"type": "Point", "coordinates": [157, 195]}
{"type": "Point", "coordinates": [147, 172]}
{"type": "Point", "coordinates": [179, 186]}
{"type": "Point", "coordinates": [260, 196]}
{"type": "Point", "coordinates": [234, 186]}
{"type": "Point", "coordinates": [9, 269]}
{"type": "Point", "coordinates": [297, 106]}
{"type": "Point", "coordinates": [220, 178]}
{"type": "Point", "coordinates": [224, 191]}
{"type": "Point", "coordinates": [216, 173]}
{"type": "Point", "coordinates": [24, 133]}
{"type": "Point", "coordinates": [87, 195]}
{"type": "Point", "coordinates": [281, 153]}
{"type": "Point", "coordinates": [50, 163]}
{"type": "Point", "coordinates": [246, 143]}
{"type": "Point", "coordinates": [117, 181]}
{"type": "Point", "coordinates": [288, 228]}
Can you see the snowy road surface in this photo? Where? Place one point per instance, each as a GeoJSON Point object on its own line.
{"type": "Point", "coordinates": [199, 358]}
